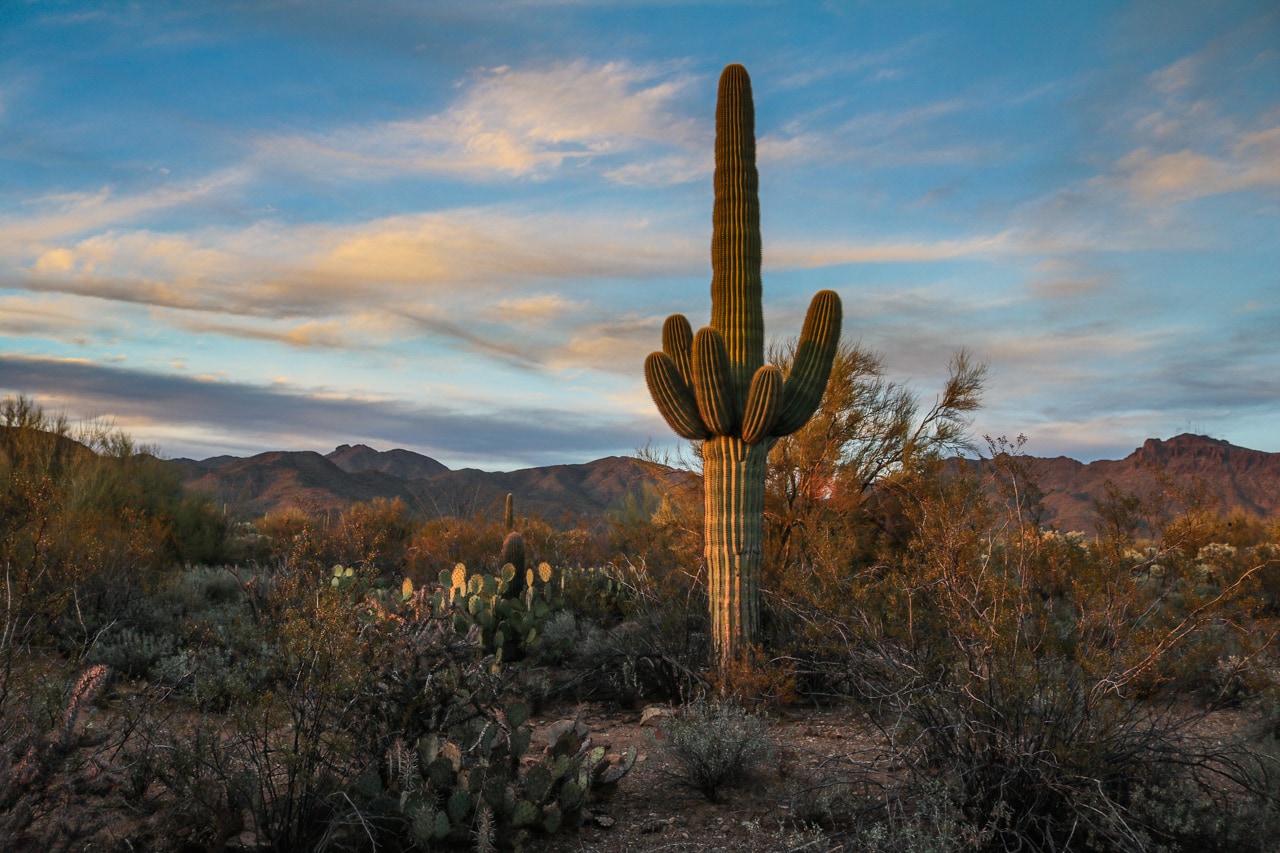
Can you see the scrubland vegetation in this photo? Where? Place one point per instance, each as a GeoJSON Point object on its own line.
{"type": "Point", "coordinates": [173, 678]}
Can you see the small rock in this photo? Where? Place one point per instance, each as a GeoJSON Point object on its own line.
{"type": "Point", "coordinates": [560, 728]}
{"type": "Point", "coordinates": [654, 824]}
{"type": "Point", "coordinates": [603, 821]}
{"type": "Point", "coordinates": [653, 712]}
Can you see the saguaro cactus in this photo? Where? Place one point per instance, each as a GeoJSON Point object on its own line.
{"type": "Point", "coordinates": [714, 386]}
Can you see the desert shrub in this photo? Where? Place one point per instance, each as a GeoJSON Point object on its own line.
{"type": "Point", "coordinates": [202, 587]}
{"type": "Point", "coordinates": [930, 822]}
{"type": "Point", "coordinates": [1039, 680]}
{"type": "Point", "coordinates": [605, 595]}
{"type": "Point", "coordinates": [659, 528]}
{"type": "Point", "coordinates": [715, 745]}
{"type": "Point", "coordinates": [131, 652]}
{"type": "Point", "coordinates": [86, 524]}
{"type": "Point", "coordinates": [1240, 813]}
{"type": "Point", "coordinates": [374, 534]}
{"type": "Point", "coordinates": [192, 632]}
{"type": "Point", "coordinates": [639, 636]}
{"type": "Point", "coordinates": [200, 531]}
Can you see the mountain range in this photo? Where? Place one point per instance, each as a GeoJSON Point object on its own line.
{"type": "Point", "coordinates": [1237, 478]}
{"type": "Point", "coordinates": [312, 482]}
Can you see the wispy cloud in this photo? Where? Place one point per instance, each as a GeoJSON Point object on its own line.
{"type": "Point", "coordinates": [539, 309]}
{"type": "Point", "coordinates": [1190, 143]}
{"type": "Point", "coordinates": [60, 319]}
{"type": "Point", "coordinates": [1251, 162]}
{"type": "Point", "coordinates": [51, 218]}
{"type": "Point", "coordinates": [312, 270]}
{"type": "Point", "coordinates": [798, 256]}
{"type": "Point", "coordinates": [617, 345]}
{"type": "Point", "coordinates": [521, 123]}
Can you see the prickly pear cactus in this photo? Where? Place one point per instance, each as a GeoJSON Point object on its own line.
{"type": "Point", "coordinates": [477, 778]}
{"type": "Point", "coordinates": [714, 386]}
{"type": "Point", "coordinates": [510, 618]}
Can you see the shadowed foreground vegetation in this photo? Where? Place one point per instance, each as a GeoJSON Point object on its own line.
{"type": "Point", "coordinates": [169, 681]}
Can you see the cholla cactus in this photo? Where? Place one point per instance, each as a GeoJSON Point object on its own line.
{"type": "Point", "coordinates": [714, 386]}
{"type": "Point", "coordinates": [85, 692]}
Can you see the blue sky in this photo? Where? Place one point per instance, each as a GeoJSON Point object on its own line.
{"type": "Point", "coordinates": [457, 227]}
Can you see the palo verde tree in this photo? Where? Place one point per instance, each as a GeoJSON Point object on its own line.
{"type": "Point", "coordinates": [867, 432]}
{"type": "Point", "coordinates": [714, 386]}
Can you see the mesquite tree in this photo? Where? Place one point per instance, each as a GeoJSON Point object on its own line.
{"type": "Point", "coordinates": [714, 386]}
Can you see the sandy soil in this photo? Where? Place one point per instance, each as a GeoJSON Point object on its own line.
{"type": "Point", "coordinates": [653, 811]}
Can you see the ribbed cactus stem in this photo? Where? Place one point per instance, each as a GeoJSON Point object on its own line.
{"type": "Point", "coordinates": [513, 552]}
{"type": "Point", "coordinates": [714, 386]}
{"type": "Point", "coordinates": [736, 311]}
{"type": "Point", "coordinates": [733, 475]}
{"type": "Point", "coordinates": [513, 555]}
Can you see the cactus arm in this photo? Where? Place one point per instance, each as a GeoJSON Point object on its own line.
{"type": "Point", "coordinates": [819, 340]}
{"type": "Point", "coordinates": [673, 397]}
{"type": "Point", "coordinates": [677, 342]}
{"type": "Point", "coordinates": [713, 383]}
{"type": "Point", "coordinates": [763, 401]}
{"type": "Point", "coordinates": [736, 311]}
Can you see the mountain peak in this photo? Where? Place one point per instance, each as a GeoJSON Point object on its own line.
{"type": "Point", "coordinates": [404, 464]}
{"type": "Point", "coordinates": [1188, 448]}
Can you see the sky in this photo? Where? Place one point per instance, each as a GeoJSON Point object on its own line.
{"type": "Point", "coordinates": [456, 227]}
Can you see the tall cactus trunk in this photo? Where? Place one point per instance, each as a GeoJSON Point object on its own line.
{"type": "Point", "coordinates": [733, 474]}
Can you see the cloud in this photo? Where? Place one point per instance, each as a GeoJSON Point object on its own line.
{"type": "Point", "coordinates": [1193, 142]}
{"type": "Point", "coordinates": [538, 310]}
{"type": "Point", "coordinates": [57, 216]}
{"type": "Point", "coordinates": [251, 418]}
{"type": "Point", "coordinates": [1067, 278]}
{"type": "Point", "coordinates": [1252, 164]}
{"type": "Point", "coordinates": [866, 66]}
{"type": "Point", "coordinates": [61, 319]}
{"type": "Point", "coordinates": [316, 270]}
{"type": "Point", "coordinates": [328, 334]}
{"type": "Point", "coordinates": [916, 136]}
{"type": "Point", "coordinates": [618, 345]}
{"type": "Point", "coordinates": [521, 123]}
{"type": "Point", "coordinates": [788, 255]}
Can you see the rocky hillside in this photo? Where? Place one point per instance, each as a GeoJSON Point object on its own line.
{"type": "Point", "coordinates": [1237, 478]}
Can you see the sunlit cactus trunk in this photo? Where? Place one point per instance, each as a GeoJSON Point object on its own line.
{"type": "Point", "coordinates": [714, 386]}
{"type": "Point", "coordinates": [733, 476]}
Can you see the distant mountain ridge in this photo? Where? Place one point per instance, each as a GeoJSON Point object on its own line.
{"type": "Point", "coordinates": [312, 482]}
{"type": "Point", "coordinates": [1239, 478]}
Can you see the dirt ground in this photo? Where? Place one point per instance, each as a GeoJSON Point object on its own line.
{"type": "Point", "coordinates": [652, 811]}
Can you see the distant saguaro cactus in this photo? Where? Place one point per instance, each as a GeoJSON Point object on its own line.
{"type": "Point", "coordinates": [513, 553]}
{"type": "Point", "coordinates": [714, 386]}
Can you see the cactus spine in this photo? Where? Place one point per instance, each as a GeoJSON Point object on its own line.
{"type": "Point", "coordinates": [714, 386]}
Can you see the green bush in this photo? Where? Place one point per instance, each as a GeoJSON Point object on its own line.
{"type": "Point", "coordinates": [715, 745]}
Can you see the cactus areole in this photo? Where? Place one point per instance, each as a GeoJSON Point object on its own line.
{"type": "Point", "coordinates": [714, 386]}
